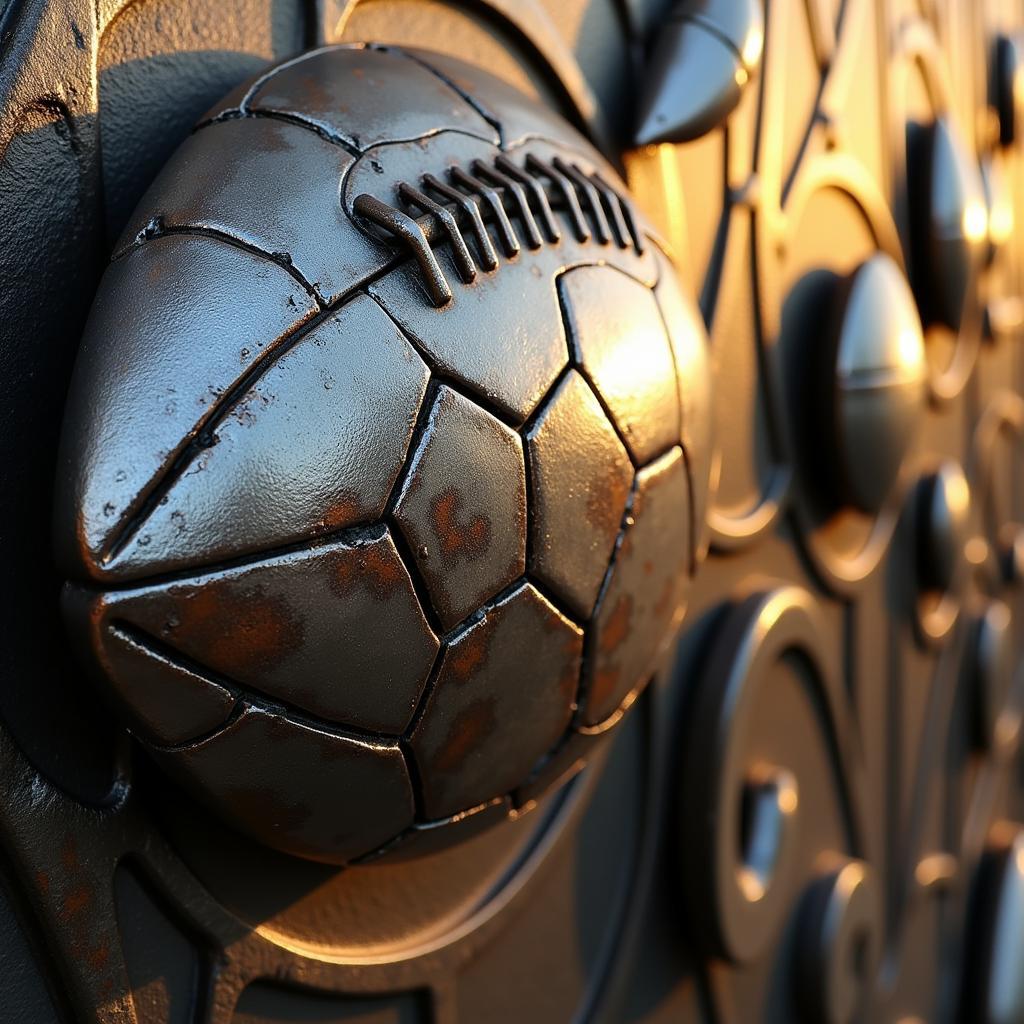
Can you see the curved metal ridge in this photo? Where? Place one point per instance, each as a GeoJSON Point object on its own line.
{"type": "Point", "coordinates": [516, 201]}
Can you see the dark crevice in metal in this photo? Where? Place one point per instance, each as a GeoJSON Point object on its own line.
{"type": "Point", "coordinates": [577, 364]}
{"type": "Point", "coordinates": [588, 628]}
{"type": "Point", "coordinates": [412, 769]}
{"type": "Point", "coordinates": [492, 119]}
{"type": "Point", "coordinates": [440, 376]}
{"type": "Point", "coordinates": [156, 228]}
{"type": "Point", "coordinates": [531, 421]}
{"type": "Point", "coordinates": [419, 584]}
{"type": "Point", "coordinates": [202, 434]}
{"type": "Point", "coordinates": [352, 535]}
{"type": "Point", "coordinates": [335, 139]}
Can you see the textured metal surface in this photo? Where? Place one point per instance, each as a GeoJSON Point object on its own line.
{"type": "Point", "coordinates": [334, 546]}
{"type": "Point", "coordinates": [814, 814]}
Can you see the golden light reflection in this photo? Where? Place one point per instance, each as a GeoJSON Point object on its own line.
{"type": "Point", "coordinates": [935, 869]}
{"type": "Point", "coordinates": [750, 51]}
{"type": "Point", "coordinates": [910, 351]}
{"type": "Point", "coordinates": [975, 221]}
{"type": "Point", "coordinates": [958, 494]}
{"type": "Point", "coordinates": [788, 799]}
{"type": "Point", "coordinates": [1000, 222]}
{"type": "Point", "coordinates": [751, 884]}
{"type": "Point", "coordinates": [976, 551]}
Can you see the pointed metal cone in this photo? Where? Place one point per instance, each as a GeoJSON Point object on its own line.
{"type": "Point", "coordinates": [695, 81]}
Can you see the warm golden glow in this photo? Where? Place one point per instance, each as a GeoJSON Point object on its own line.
{"type": "Point", "coordinates": [975, 221]}
{"type": "Point", "coordinates": [750, 52]}
{"type": "Point", "coordinates": [1000, 222]}
{"type": "Point", "coordinates": [909, 350]}
{"type": "Point", "coordinates": [976, 551]}
{"type": "Point", "coordinates": [958, 494]}
{"type": "Point", "coordinates": [788, 799]}
{"type": "Point", "coordinates": [751, 885]}
{"type": "Point", "coordinates": [935, 869]}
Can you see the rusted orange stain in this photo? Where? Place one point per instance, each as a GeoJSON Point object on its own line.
{"type": "Point", "coordinates": [469, 731]}
{"type": "Point", "coordinates": [458, 539]}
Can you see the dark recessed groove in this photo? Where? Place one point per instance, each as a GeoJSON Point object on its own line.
{"type": "Point", "coordinates": [200, 435]}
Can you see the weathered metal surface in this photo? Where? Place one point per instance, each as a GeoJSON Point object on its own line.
{"type": "Point", "coordinates": [644, 595]}
{"type": "Point", "coordinates": [337, 540]}
{"type": "Point", "coordinates": [464, 749]}
{"type": "Point", "coordinates": [581, 478]}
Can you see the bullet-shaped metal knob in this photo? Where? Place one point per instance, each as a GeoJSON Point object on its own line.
{"type": "Point", "coordinates": [704, 58]}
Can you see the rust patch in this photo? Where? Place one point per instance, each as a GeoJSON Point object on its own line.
{"type": "Point", "coordinates": [605, 683]}
{"type": "Point", "coordinates": [77, 900]}
{"type": "Point", "coordinates": [77, 910]}
{"type": "Point", "coordinates": [239, 631]}
{"type": "Point", "coordinates": [372, 569]}
{"type": "Point", "coordinates": [469, 731]}
{"type": "Point", "coordinates": [615, 630]}
{"type": "Point", "coordinates": [345, 510]}
{"type": "Point", "coordinates": [69, 855]}
{"type": "Point", "coordinates": [456, 537]}
{"type": "Point", "coordinates": [469, 655]}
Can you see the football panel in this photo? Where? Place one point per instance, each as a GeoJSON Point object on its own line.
{"type": "Point", "coordinates": [363, 97]}
{"type": "Point", "coordinates": [170, 335]}
{"type": "Point", "coordinates": [314, 446]}
{"type": "Point", "coordinates": [462, 506]}
{"type": "Point", "coordinates": [501, 336]}
{"type": "Point", "coordinates": [644, 600]}
{"type": "Point", "coordinates": [580, 478]}
{"type": "Point", "coordinates": [335, 630]}
{"type": "Point", "coordinates": [164, 701]}
{"type": "Point", "coordinates": [272, 185]}
{"type": "Point", "coordinates": [621, 345]}
{"type": "Point", "coordinates": [299, 788]}
{"type": "Point", "coordinates": [557, 767]}
{"type": "Point", "coordinates": [501, 700]}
